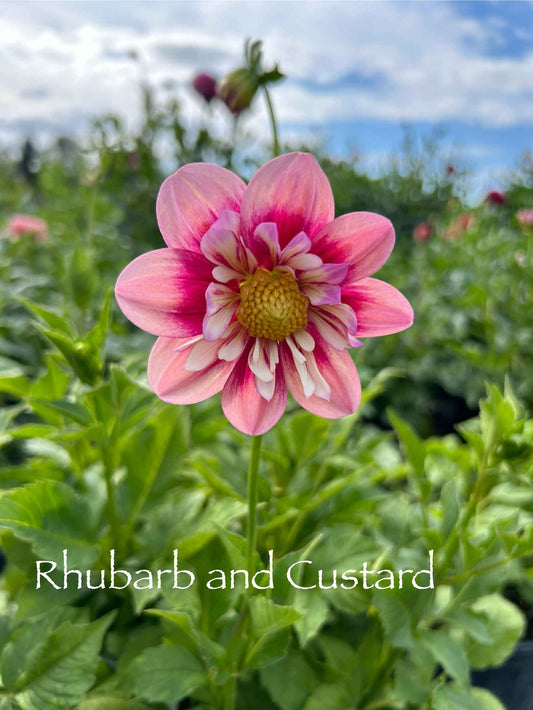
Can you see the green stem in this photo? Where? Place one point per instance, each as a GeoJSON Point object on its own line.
{"type": "Point", "coordinates": [112, 506]}
{"type": "Point", "coordinates": [253, 471]}
{"type": "Point", "coordinates": [455, 538]}
{"type": "Point", "coordinates": [270, 108]}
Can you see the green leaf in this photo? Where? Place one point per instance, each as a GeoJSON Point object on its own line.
{"type": "Point", "coordinates": [165, 674]}
{"type": "Point", "coordinates": [51, 517]}
{"type": "Point", "coordinates": [49, 317]}
{"type": "Point", "coordinates": [269, 631]}
{"type": "Point", "coordinates": [452, 697]}
{"type": "Point", "coordinates": [64, 669]}
{"type": "Point", "coordinates": [475, 625]}
{"type": "Point", "coordinates": [487, 699]}
{"type": "Point", "coordinates": [314, 610]}
{"type": "Point", "coordinates": [290, 681]}
{"type": "Point", "coordinates": [267, 617]}
{"type": "Point", "coordinates": [413, 447]}
{"type": "Point", "coordinates": [450, 507]}
{"type": "Point", "coordinates": [332, 697]}
{"type": "Point", "coordinates": [506, 626]}
{"type": "Point", "coordinates": [73, 411]}
{"type": "Point", "coordinates": [448, 653]}
{"type": "Point", "coordinates": [109, 702]}
{"type": "Point", "coordinates": [395, 618]}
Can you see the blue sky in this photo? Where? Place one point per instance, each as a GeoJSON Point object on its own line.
{"type": "Point", "coordinates": [357, 71]}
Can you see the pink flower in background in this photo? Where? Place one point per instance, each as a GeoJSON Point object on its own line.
{"type": "Point", "coordinates": [495, 197]}
{"type": "Point", "coordinates": [206, 86]}
{"type": "Point", "coordinates": [259, 291]}
{"type": "Point", "coordinates": [461, 224]}
{"type": "Point", "coordinates": [525, 217]}
{"type": "Point", "coordinates": [21, 225]}
{"type": "Point", "coordinates": [422, 231]}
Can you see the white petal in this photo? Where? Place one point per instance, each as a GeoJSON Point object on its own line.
{"type": "Point", "coordinates": [201, 356]}
{"type": "Point", "coordinates": [304, 339]}
{"type": "Point", "coordinates": [265, 389]}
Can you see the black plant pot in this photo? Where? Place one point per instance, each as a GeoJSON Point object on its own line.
{"type": "Point", "coordinates": [512, 682]}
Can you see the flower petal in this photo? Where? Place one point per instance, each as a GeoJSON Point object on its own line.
{"type": "Point", "coordinates": [340, 374]}
{"type": "Point", "coordinates": [322, 294]}
{"type": "Point", "coordinates": [264, 244]}
{"type": "Point", "coordinates": [380, 308]}
{"type": "Point", "coordinates": [221, 243]}
{"type": "Point", "coordinates": [173, 383]}
{"type": "Point", "coordinates": [191, 199]}
{"type": "Point", "coordinates": [245, 408]}
{"type": "Point", "coordinates": [292, 191]}
{"type": "Point", "coordinates": [163, 292]}
{"type": "Point", "coordinates": [362, 239]}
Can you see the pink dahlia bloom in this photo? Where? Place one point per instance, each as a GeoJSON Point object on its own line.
{"type": "Point", "coordinates": [422, 231]}
{"type": "Point", "coordinates": [259, 291]}
{"type": "Point", "coordinates": [525, 217]}
{"type": "Point", "coordinates": [495, 197]}
{"type": "Point", "coordinates": [23, 224]}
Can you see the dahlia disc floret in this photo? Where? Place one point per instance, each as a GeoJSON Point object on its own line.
{"type": "Point", "coordinates": [261, 291]}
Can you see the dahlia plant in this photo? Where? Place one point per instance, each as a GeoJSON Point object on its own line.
{"type": "Point", "coordinates": [261, 291]}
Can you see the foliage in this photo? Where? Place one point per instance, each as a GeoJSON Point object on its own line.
{"type": "Point", "coordinates": [93, 461]}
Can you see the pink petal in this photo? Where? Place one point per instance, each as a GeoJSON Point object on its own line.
{"type": "Point", "coordinates": [326, 274]}
{"type": "Point", "coordinates": [214, 326]}
{"type": "Point", "coordinates": [321, 294]}
{"type": "Point", "coordinates": [173, 383]}
{"type": "Point", "coordinates": [362, 239]}
{"type": "Point", "coordinates": [292, 191]}
{"type": "Point", "coordinates": [221, 243]}
{"type": "Point", "coordinates": [340, 374]}
{"type": "Point", "coordinates": [245, 408]}
{"type": "Point", "coordinates": [264, 244]}
{"type": "Point", "coordinates": [191, 199]}
{"type": "Point", "coordinates": [334, 323]}
{"type": "Point", "coordinates": [163, 292]}
{"type": "Point", "coordinates": [380, 308]}
{"type": "Point", "coordinates": [296, 256]}
{"type": "Point", "coordinates": [236, 339]}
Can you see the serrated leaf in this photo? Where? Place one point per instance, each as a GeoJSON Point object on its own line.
{"type": "Point", "coordinates": [452, 697]}
{"type": "Point", "coordinates": [290, 681]}
{"type": "Point", "coordinates": [64, 669]}
{"type": "Point", "coordinates": [267, 617]}
{"type": "Point", "coordinates": [50, 516]}
{"type": "Point", "coordinates": [446, 651]}
{"type": "Point", "coordinates": [165, 674]}
{"type": "Point", "coordinates": [506, 625]}
{"type": "Point", "coordinates": [395, 618]}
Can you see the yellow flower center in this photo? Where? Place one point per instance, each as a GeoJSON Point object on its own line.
{"type": "Point", "coordinates": [272, 305]}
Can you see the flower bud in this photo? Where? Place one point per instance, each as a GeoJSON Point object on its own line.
{"type": "Point", "coordinates": [238, 89]}
{"type": "Point", "coordinates": [495, 197]}
{"type": "Point", "coordinates": [206, 86]}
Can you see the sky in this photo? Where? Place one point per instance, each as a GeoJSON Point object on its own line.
{"type": "Point", "coordinates": [357, 72]}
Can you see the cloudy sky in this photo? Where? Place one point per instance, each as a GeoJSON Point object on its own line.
{"type": "Point", "coordinates": [358, 71]}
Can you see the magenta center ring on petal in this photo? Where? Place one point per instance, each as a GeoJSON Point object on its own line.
{"type": "Point", "coordinates": [272, 305]}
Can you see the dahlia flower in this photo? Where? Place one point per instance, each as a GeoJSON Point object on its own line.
{"type": "Point", "coordinates": [259, 291]}
{"type": "Point", "coordinates": [24, 224]}
{"type": "Point", "coordinates": [525, 217]}
{"type": "Point", "coordinates": [495, 197]}
{"type": "Point", "coordinates": [422, 231]}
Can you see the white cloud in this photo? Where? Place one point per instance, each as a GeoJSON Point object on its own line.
{"type": "Point", "coordinates": [63, 61]}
